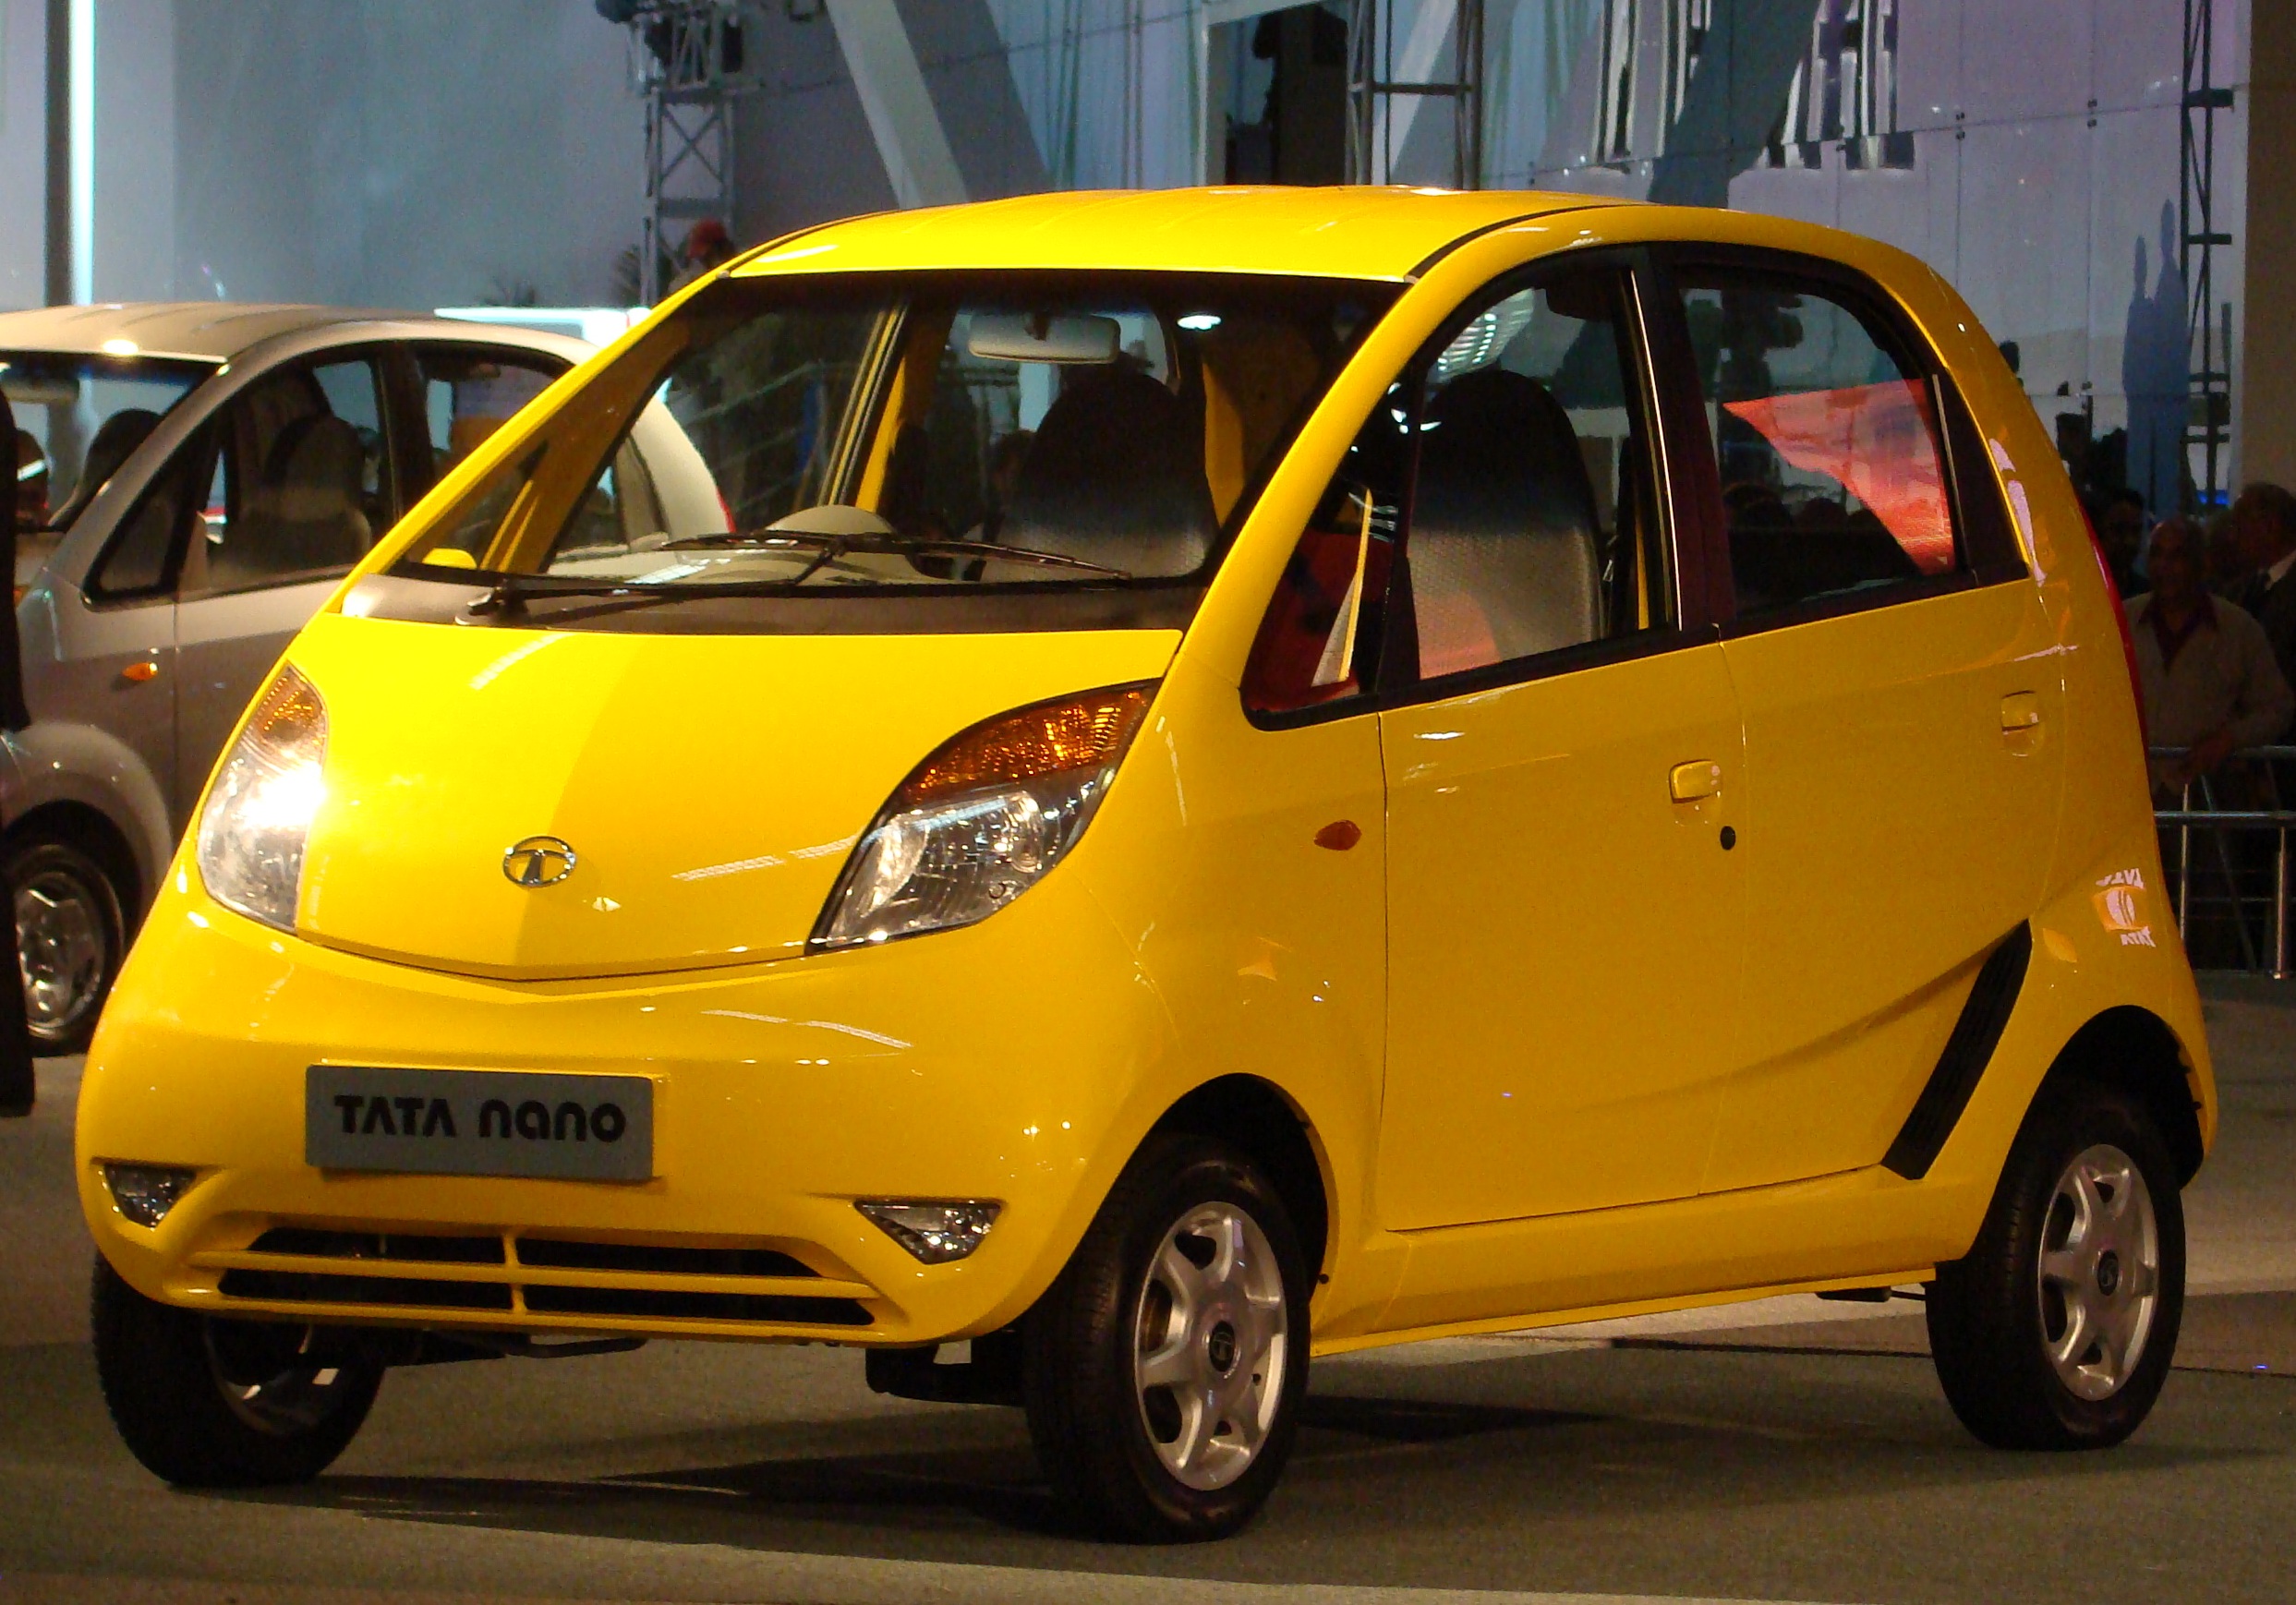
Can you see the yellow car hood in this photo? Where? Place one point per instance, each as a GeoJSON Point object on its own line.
{"type": "Point", "coordinates": [710, 786]}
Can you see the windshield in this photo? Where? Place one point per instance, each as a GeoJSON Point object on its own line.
{"type": "Point", "coordinates": [78, 419]}
{"type": "Point", "coordinates": [1064, 451]}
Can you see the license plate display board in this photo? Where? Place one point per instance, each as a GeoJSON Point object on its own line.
{"type": "Point", "coordinates": [478, 1123]}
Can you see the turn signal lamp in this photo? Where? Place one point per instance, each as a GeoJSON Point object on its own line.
{"type": "Point", "coordinates": [983, 818]}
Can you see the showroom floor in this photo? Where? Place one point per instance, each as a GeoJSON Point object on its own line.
{"type": "Point", "coordinates": [1792, 1450]}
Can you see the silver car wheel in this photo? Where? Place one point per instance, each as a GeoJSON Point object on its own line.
{"type": "Point", "coordinates": [1211, 1326]}
{"type": "Point", "coordinates": [2099, 1271]}
{"type": "Point", "coordinates": [62, 949]}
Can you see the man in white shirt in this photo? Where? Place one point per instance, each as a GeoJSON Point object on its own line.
{"type": "Point", "coordinates": [2209, 677]}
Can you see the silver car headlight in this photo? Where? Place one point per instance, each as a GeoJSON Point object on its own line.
{"type": "Point", "coordinates": [983, 819]}
{"type": "Point", "coordinates": [260, 808]}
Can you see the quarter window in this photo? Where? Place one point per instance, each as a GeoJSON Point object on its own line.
{"type": "Point", "coordinates": [1832, 471]}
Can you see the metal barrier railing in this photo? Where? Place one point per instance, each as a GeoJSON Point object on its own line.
{"type": "Point", "coordinates": [2219, 824]}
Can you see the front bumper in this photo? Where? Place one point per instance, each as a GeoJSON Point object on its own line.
{"type": "Point", "coordinates": [1012, 1061]}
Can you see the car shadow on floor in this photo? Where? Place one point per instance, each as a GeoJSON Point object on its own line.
{"type": "Point", "coordinates": [1427, 1464]}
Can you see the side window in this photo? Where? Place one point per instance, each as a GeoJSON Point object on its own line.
{"type": "Point", "coordinates": [1317, 639]}
{"type": "Point", "coordinates": [468, 391]}
{"type": "Point", "coordinates": [1832, 472]}
{"type": "Point", "coordinates": [1533, 525]}
{"type": "Point", "coordinates": [301, 487]}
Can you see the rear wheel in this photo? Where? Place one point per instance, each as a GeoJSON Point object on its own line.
{"type": "Point", "coordinates": [1165, 1368]}
{"type": "Point", "coordinates": [70, 937]}
{"type": "Point", "coordinates": [211, 1402]}
{"type": "Point", "coordinates": [2055, 1330]}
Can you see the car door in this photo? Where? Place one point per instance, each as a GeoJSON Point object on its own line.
{"type": "Point", "coordinates": [300, 485]}
{"type": "Point", "coordinates": [1903, 706]}
{"type": "Point", "coordinates": [1563, 764]}
{"type": "Point", "coordinates": [122, 675]}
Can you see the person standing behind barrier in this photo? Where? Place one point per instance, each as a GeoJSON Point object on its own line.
{"type": "Point", "coordinates": [2210, 680]}
{"type": "Point", "coordinates": [2264, 533]}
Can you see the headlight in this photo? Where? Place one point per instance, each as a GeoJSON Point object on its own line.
{"type": "Point", "coordinates": [259, 809]}
{"type": "Point", "coordinates": [983, 818]}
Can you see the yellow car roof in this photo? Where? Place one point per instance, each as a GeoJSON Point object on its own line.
{"type": "Point", "coordinates": [1337, 233]}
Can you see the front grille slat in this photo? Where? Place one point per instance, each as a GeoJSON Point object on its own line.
{"type": "Point", "coordinates": [312, 1288]}
{"type": "Point", "coordinates": [568, 1254]}
{"type": "Point", "coordinates": [420, 1248]}
{"type": "Point", "coordinates": [645, 1302]}
{"type": "Point", "coordinates": [472, 1271]}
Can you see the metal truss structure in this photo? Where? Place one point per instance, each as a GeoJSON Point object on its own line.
{"type": "Point", "coordinates": [689, 61]}
{"type": "Point", "coordinates": [1375, 87]}
{"type": "Point", "coordinates": [2209, 417]}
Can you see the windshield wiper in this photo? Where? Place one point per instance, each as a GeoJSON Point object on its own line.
{"type": "Point", "coordinates": [989, 548]}
{"type": "Point", "coordinates": [838, 546]}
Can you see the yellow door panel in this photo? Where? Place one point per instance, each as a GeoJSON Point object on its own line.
{"type": "Point", "coordinates": [1563, 940]}
{"type": "Point", "coordinates": [1904, 773]}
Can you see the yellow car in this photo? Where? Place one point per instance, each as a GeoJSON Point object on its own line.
{"type": "Point", "coordinates": [1166, 784]}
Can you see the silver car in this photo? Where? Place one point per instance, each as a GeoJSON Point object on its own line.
{"type": "Point", "coordinates": [195, 479]}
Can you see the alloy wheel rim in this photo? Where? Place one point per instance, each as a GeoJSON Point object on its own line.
{"type": "Point", "coordinates": [60, 951]}
{"type": "Point", "coordinates": [2100, 1274]}
{"type": "Point", "coordinates": [1211, 1330]}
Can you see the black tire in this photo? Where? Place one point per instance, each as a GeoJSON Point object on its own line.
{"type": "Point", "coordinates": [2011, 1337]}
{"type": "Point", "coordinates": [1089, 1415]}
{"type": "Point", "coordinates": [186, 1392]}
{"type": "Point", "coordinates": [70, 938]}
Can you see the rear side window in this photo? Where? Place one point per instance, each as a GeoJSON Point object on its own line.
{"type": "Point", "coordinates": [1834, 469]}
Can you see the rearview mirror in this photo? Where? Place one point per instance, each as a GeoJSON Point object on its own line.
{"type": "Point", "coordinates": [1071, 337]}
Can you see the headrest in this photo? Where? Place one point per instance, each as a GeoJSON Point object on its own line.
{"type": "Point", "coordinates": [116, 439]}
{"type": "Point", "coordinates": [1116, 476]}
{"type": "Point", "coordinates": [1499, 439]}
{"type": "Point", "coordinates": [319, 452]}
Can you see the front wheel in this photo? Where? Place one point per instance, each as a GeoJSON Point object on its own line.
{"type": "Point", "coordinates": [205, 1402]}
{"type": "Point", "coordinates": [70, 937]}
{"type": "Point", "coordinates": [1163, 1370]}
{"type": "Point", "coordinates": [2057, 1329]}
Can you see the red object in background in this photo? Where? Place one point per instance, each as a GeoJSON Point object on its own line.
{"type": "Point", "coordinates": [1877, 440]}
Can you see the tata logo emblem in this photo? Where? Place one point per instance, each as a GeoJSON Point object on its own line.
{"type": "Point", "coordinates": [538, 861]}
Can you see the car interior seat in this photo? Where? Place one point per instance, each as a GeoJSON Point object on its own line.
{"type": "Point", "coordinates": [304, 515]}
{"type": "Point", "coordinates": [116, 439]}
{"type": "Point", "coordinates": [1505, 536]}
{"type": "Point", "coordinates": [1116, 477]}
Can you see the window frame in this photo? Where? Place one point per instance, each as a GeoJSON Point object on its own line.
{"type": "Point", "coordinates": [1387, 631]}
{"type": "Point", "coordinates": [1974, 499]}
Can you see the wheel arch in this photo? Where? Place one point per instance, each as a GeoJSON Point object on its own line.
{"type": "Point", "coordinates": [2132, 1049]}
{"type": "Point", "coordinates": [1256, 1117]}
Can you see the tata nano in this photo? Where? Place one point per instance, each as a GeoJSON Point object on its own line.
{"type": "Point", "coordinates": [1179, 783]}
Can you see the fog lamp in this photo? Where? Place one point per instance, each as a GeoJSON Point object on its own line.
{"type": "Point", "coordinates": [935, 1230]}
{"type": "Point", "coordinates": [146, 1192]}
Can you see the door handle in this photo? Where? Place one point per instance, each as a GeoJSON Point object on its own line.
{"type": "Point", "coordinates": [1695, 781]}
{"type": "Point", "coordinates": [2021, 712]}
